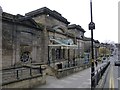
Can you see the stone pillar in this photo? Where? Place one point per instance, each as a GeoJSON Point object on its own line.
{"type": "Point", "coordinates": [17, 47]}
{"type": "Point", "coordinates": [34, 51]}
{"type": "Point", "coordinates": [14, 54]}
{"type": "Point", "coordinates": [44, 54]}
{"type": "Point", "coordinates": [14, 44]}
{"type": "Point", "coordinates": [0, 45]}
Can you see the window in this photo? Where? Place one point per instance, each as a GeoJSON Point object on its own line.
{"type": "Point", "coordinates": [58, 53]}
{"type": "Point", "coordinates": [63, 53]}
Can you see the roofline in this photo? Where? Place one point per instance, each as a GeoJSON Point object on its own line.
{"type": "Point", "coordinates": [47, 11]}
{"type": "Point", "coordinates": [78, 27]}
{"type": "Point", "coordinates": [15, 20]}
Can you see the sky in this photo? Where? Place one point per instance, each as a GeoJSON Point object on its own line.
{"type": "Point", "coordinates": [105, 14]}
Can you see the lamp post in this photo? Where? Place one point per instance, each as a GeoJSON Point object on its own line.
{"type": "Point", "coordinates": [91, 27]}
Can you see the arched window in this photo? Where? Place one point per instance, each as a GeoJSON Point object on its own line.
{"type": "Point", "coordinates": [60, 29]}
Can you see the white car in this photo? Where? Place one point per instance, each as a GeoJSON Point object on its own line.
{"type": "Point", "coordinates": [117, 63]}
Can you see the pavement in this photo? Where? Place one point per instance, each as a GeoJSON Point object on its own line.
{"type": "Point", "coordinates": [80, 79]}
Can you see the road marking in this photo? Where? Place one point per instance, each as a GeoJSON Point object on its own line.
{"type": "Point", "coordinates": [111, 81]}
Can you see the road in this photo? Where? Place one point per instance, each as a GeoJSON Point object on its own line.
{"type": "Point", "coordinates": [112, 76]}
{"type": "Point", "coordinates": [80, 79]}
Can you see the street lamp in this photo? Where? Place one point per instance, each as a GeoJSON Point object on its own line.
{"type": "Point", "coordinates": [91, 27]}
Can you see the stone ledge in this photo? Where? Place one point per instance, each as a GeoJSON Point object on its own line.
{"type": "Point", "coordinates": [22, 79]}
{"type": "Point", "coordinates": [66, 72]}
{"type": "Point", "coordinates": [26, 83]}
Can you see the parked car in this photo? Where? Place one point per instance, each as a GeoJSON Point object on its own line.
{"type": "Point", "coordinates": [117, 63]}
{"type": "Point", "coordinates": [111, 55]}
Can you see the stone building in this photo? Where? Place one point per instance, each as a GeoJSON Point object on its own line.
{"type": "Point", "coordinates": [96, 49]}
{"type": "Point", "coordinates": [79, 34]}
{"type": "Point", "coordinates": [78, 31]}
{"type": "Point", "coordinates": [59, 44]}
{"type": "Point", "coordinates": [42, 36]}
{"type": "Point", "coordinates": [87, 46]}
{"type": "Point", "coordinates": [21, 40]}
{"type": "Point", "coordinates": [22, 52]}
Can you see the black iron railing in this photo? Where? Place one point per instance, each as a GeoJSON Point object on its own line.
{"type": "Point", "coordinates": [99, 73]}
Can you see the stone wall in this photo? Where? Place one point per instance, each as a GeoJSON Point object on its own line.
{"type": "Point", "coordinates": [7, 42]}
{"type": "Point", "coordinates": [28, 83]}
{"type": "Point", "coordinates": [76, 32]}
{"type": "Point", "coordinates": [48, 21]}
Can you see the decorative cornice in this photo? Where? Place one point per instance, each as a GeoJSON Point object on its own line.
{"type": "Point", "coordinates": [19, 19]}
{"type": "Point", "coordinates": [87, 39]}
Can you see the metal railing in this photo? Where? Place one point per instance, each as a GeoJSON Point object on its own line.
{"type": "Point", "coordinates": [99, 73]}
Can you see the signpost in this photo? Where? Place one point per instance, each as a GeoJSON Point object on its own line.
{"type": "Point", "coordinates": [91, 27]}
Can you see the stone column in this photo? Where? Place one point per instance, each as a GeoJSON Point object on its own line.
{"type": "Point", "coordinates": [0, 45]}
{"type": "Point", "coordinates": [14, 44]}
{"type": "Point", "coordinates": [44, 55]}
{"type": "Point", "coordinates": [17, 48]}
{"type": "Point", "coordinates": [34, 50]}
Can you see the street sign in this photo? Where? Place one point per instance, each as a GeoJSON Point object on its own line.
{"type": "Point", "coordinates": [91, 25]}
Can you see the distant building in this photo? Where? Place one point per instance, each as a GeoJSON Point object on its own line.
{"type": "Point", "coordinates": [87, 46]}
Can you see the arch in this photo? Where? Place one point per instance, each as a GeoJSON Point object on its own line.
{"type": "Point", "coordinates": [59, 28]}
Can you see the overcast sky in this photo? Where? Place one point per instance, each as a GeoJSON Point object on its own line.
{"type": "Point", "coordinates": [105, 14]}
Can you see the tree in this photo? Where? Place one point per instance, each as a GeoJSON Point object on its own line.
{"type": "Point", "coordinates": [104, 51]}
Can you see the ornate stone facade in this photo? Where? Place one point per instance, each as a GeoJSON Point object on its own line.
{"type": "Point", "coordinates": [42, 36]}
{"type": "Point", "coordinates": [21, 40]}
{"type": "Point", "coordinates": [64, 41]}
